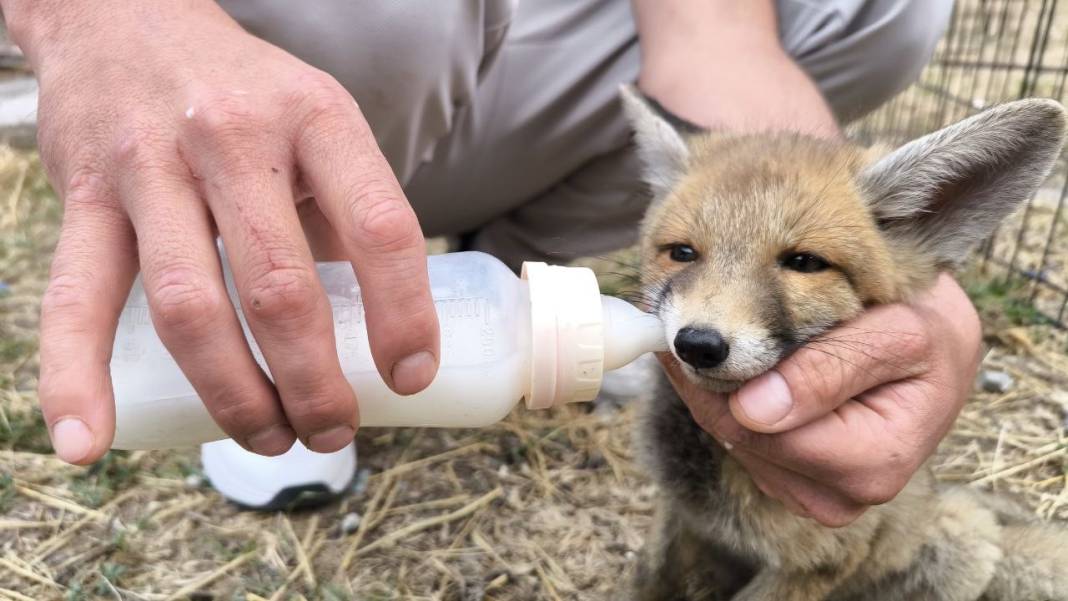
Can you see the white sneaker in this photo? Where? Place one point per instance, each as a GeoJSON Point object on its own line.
{"type": "Point", "coordinates": [297, 478]}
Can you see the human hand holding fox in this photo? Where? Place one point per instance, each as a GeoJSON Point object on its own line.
{"type": "Point", "coordinates": [845, 422]}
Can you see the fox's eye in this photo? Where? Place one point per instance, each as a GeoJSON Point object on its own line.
{"type": "Point", "coordinates": [683, 253]}
{"type": "Point", "coordinates": [804, 262]}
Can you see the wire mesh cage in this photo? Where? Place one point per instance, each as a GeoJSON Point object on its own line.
{"type": "Point", "coordinates": [995, 51]}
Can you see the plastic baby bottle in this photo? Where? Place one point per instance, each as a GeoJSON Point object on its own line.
{"type": "Point", "coordinates": [545, 338]}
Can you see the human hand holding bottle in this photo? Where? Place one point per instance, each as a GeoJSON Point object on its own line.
{"type": "Point", "coordinates": [163, 124]}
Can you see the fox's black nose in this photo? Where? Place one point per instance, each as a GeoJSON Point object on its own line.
{"type": "Point", "coordinates": [702, 349]}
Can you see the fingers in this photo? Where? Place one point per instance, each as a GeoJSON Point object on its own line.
{"type": "Point", "coordinates": [865, 455]}
{"type": "Point", "coordinates": [248, 184]}
{"type": "Point", "coordinates": [191, 310]}
{"type": "Point", "coordinates": [885, 344]}
{"type": "Point", "coordinates": [360, 196]}
{"type": "Point", "coordinates": [865, 451]}
{"type": "Point", "coordinates": [92, 271]}
{"type": "Point", "coordinates": [803, 495]}
{"type": "Point", "coordinates": [847, 421]}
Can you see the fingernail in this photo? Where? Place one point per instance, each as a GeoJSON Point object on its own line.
{"type": "Point", "coordinates": [413, 373]}
{"type": "Point", "coordinates": [767, 399]}
{"type": "Point", "coordinates": [273, 441]}
{"type": "Point", "coordinates": [331, 440]}
{"type": "Point", "coordinates": [71, 439]}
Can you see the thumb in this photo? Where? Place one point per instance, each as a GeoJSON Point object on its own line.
{"type": "Point", "coordinates": [885, 344]}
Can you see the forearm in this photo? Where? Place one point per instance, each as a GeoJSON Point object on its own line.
{"type": "Point", "coordinates": [720, 64]}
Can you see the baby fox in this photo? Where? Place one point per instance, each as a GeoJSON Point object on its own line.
{"type": "Point", "coordinates": [755, 245]}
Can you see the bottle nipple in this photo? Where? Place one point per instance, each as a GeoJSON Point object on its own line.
{"type": "Point", "coordinates": [576, 334]}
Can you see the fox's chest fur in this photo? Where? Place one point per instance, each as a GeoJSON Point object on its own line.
{"type": "Point", "coordinates": [710, 498]}
{"type": "Point", "coordinates": [757, 245]}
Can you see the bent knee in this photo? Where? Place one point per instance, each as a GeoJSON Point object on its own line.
{"type": "Point", "coordinates": [863, 53]}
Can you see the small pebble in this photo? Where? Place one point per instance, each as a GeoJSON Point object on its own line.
{"type": "Point", "coordinates": [995, 381]}
{"type": "Point", "coordinates": [194, 481]}
{"type": "Point", "coordinates": [350, 522]}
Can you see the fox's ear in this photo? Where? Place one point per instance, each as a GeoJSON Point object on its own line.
{"type": "Point", "coordinates": [950, 189]}
{"type": "Point", "coordinates": [661, 149]}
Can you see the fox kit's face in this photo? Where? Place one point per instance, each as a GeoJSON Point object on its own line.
{"type": "Point", "coordinates": [755, 245]}
{"type": "Point", "coordinates": [762, 244]}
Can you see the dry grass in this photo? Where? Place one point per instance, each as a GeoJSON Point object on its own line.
{"type": "Point", "coordinates": [530, 509]}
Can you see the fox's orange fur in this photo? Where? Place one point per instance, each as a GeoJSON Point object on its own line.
{"type": "Point", "coordinates": [879, 227]}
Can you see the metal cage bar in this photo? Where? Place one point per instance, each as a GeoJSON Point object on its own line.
{"type": "Point", "coordinates": [995, 51]}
